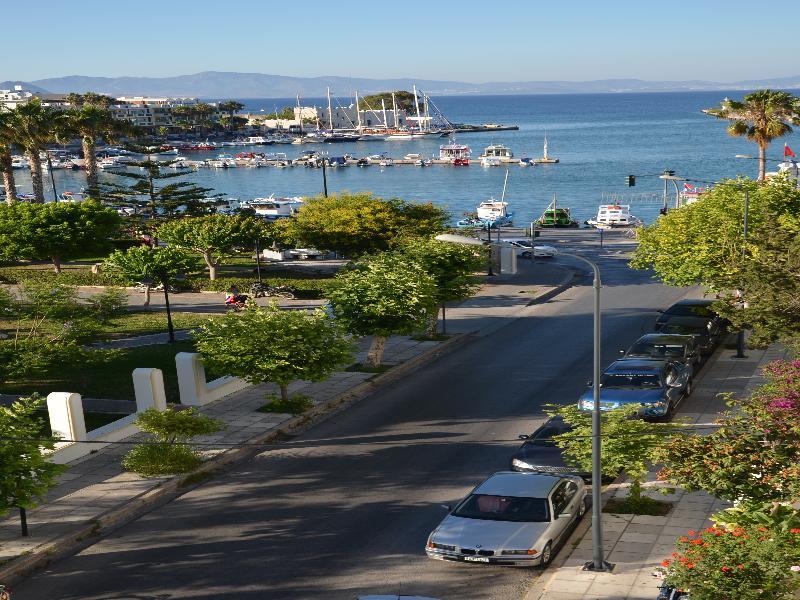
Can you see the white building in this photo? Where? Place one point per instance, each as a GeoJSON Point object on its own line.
{"type": "Point", "coordinates": [11, 99]}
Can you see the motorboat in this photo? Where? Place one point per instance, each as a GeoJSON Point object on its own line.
{"type": "Point", "coordinates": [386, 162]}
{"type": "Point", "coordinates": [274, 208]}
{"type": "Point", "coordinates": [557, 217]}
{"type": "Point", "coordinates": [72, 196]}
{"type": "Point", "coordinates": [281, 139]}
{"type": "Point", "coordinates": [490, 213]}
{"type": "Point", "coordinates": [257, 140]}
{"type": "Point", "coordinates": [111, 164]}
{"type": "Point", "coordinates": [457, 154]}
{"type": "Point", "coordinates": [498, 152]}
{"type": "Point", "coordinates": [18, 162]}
{"type": "Point", "coordinates": [413, 156]}
{"type": "Point", "coordinates": [491, 161]}
{"type": "Point", "coordinates": [614, 216]}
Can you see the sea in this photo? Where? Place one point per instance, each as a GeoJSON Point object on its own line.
{"type": "Point", "coordinates": [599, 140]}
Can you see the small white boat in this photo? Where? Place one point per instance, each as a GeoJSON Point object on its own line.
{"type": "Point", "coordinates": [455, 153]}
{"type": "Point", "coordinates": [413, 156]}
{"type": "Point", "coordinates": [495, 212]}
{"type": "Point", "coordinates": [111, 164]}
{"type": "Point", "coordinates": [386, 162]}
{"type": "Point", "coordinates": [613, 216]}
{"type": "Point", "coordinates": [274, 208]}
{"type": "Point", "coordinates": [72, 196]}
{"type": "Point", "coordinates": [490, 161]}
{"type": "Point", "coordinates": [18, 162]}
{"type": "Point", "coordinates": [499, 152]}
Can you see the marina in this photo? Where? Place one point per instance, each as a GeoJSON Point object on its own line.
{"type": "Point", "coordinates": [598, 140]}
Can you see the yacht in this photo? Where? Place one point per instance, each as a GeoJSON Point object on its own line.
{"type": "Point", "coordinates": [499, 152]}
{"type": "Point", "coordinates": [457, 154]}
{"type": "Point", "coordinates": [274, 208]}
{"type": "Point", "coordinates": [18, 162]}
{"type": "Point", "coordinates": [613, 216]}
{"type": "Point", "coordinates": [372, 137]}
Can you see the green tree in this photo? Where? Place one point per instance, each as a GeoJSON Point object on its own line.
{"type": "Point", "coordinates": [403, 99]}
{"type": "Point", "coordinates": [152, 266]}
{"type": "Point", "coordinates": [628, 445]}
{"type": "Point", "coordinates": [761, 117]}
{"type": "Point", "coordinates": [56, 231]}
{"type": "Point", "coordinates": [703, 243]}
{"type": "Point", "coordinates": [286, 113]}
{"type": "Point", "coordinates": [91, 99]}
{"type": "Point", "coordinates": [213, 236]}
{"type": "Point", "coordinates": [452, 267]}
{"type": "Point", "coordinates": [172, 451]}
{"type": "Point", "coordinates": [355, 224]}
{"type": "Point", "coordinates": [90, 123]}
{"type": "Point", "coordinates": [270, 344]}
{"type": "Point", "coordinates": [167, 200]}
{"type": "Point", "coordinates": [232, 123]}
{"type": "Point", "coordinates": [35, 126]}
{"type": "Point", "coordinates": [25, 472]}
{"type": "Point", "coordinates": [6, 140]}
{"type": "Point", "coordinates": [380, 296]}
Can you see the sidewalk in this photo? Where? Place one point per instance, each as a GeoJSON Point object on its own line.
{"type": "Point", "coordinates": [636, 545]}
{"type": "Point", "coordinates": [96, 494]}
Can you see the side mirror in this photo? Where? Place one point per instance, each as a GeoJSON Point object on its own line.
{"type": "Point", "coordinates": [446, 506]}
{"type": "Point", "coordinates": [622, 352]}
{"type": "Point", "coordinates": [523, 436]}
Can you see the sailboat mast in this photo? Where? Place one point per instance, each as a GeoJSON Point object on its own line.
{"type": "Point", "coordinates": [505, 183]}
{"type": "Point", "coordinates": [358, 112]}
{"type": "Point", "coordinates": [385, 122]}
{"type": "Point", "coordinates": [416, 105]}
{"type": "Point", "coordinates": [545, 146]}
{"type": "Point", "coordinates": [394, 111]}
{"type": "Point", "coordinates": [330, 112]}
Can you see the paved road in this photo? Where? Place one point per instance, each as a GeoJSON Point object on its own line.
{"type": "Point", "coordinates": [345, 508]}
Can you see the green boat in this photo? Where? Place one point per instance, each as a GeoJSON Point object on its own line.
{"type": "Point", "coordinates": [556, 217]}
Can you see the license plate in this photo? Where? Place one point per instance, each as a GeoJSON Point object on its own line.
{"type": "Point", "coordinates": [476, 559]}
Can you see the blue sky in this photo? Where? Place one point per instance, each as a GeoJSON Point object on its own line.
{"type": "Point", "coordinates": [513, 40]}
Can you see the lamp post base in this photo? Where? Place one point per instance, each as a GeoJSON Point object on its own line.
{"type": "Point", "coordinates": [740, 345]}
{"type": "Point", "coordinates": [607, 567]}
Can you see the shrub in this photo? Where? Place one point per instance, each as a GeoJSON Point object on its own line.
{"type": "Point", "coordinates": [295, 405]}
{"type": "Point", "coordinates": [753, 563]}
{"type": "Point", "coordinates": [171, 430]}
{"type": "Point", "coordinates": [109, 303]}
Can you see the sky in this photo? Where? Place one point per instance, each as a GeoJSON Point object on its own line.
{"type": "Point", "coordinates": [471, 41]}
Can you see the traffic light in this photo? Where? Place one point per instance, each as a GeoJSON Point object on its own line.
{"type": "Point", "coordinates": [631, 180]}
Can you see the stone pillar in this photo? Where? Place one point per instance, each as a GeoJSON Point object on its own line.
{"type": "Point", "coordinates": [191, 378]}
{"type": "Point", "coordinates": [66, 416]}
{"type": "Point", "coordinates": [148, 386]}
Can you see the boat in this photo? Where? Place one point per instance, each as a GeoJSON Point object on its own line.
{"type": "Point", "coordinates": [257, 140]}
{"type": "Point", "coordinates": [614, 216]}
{"type": "Point", "coordinates": [556, 217]}
{"type": "Point", "coordinates": [386, 162]}
{"type": "Point", "coordinates": [111, 164]}
{"type": "Point", "coordinates": [281, 139]}
{"type": "Point", "coordinates": [457, 154]}
{"type": "Point", "coordinates": [274, 208]}
{"type": "Point", "coordinates": [491, 213]}
{"type": "Point", "coordinates": [72, 196]}
{"type": "Point", "coordinates": [526, 161]}
{"type": "Point", "coordinates": [372, 137]}
{"type": "Point", "coordinates": [199, 147]}
{"type": "Point", "coordinates": [18, 162]}
{"type": "Point", "coordinates": [499, 152]}
{"type": "Point", "coordinates": [490, 161]}
{"type": "Point", "coordinates": [413, 156]}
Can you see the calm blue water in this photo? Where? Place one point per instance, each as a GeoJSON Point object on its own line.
{"type": "Point", "coordinates": [599, 139]}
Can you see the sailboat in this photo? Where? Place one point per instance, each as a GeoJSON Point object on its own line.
{"type": "Point", "coordinates": [491, 213]}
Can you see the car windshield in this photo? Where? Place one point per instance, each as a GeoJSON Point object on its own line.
{"type": "Point", "coordinates": [685, 329]}
{"type": "Point", "coordinates": [503, 508]}
{"type": "Point", "coordinates": [544, 435]}
{"type": "Point", "coordinates": [657, 350]}
{"type": "Point", "coordinates": [690, 310]}
{"type": "Point", "coordinates": [630, 380]}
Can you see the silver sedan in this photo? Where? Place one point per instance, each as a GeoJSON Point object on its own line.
{"type": "Point", "coordinates": [511, 518]}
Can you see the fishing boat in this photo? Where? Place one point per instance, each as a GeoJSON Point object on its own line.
{"type": "Point", "coordinates": [556, 217]}
{"type": "Point", "coordinates": [614, 216]}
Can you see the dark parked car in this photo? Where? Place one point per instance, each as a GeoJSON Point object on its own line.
{"type": "Point", "coordinates": [682, 348]}
{"type": "Point", "coordinates": [689, 308]}
{"type": "Point", "coordinates": [709, 333]}
{"type": "Point", "coordinates": [657, 385]}
{"type": "Point", "coordinates": [539, 454]}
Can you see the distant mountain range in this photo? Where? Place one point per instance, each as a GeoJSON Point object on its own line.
{"type": "Point", "coordinates": [216, 84]}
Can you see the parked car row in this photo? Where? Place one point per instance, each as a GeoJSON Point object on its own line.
{"type": "Point", "coordinates": [520, 516]}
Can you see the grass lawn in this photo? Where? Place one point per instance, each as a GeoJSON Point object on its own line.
{"type": "Point", "coordinates": [145, 322]}
{"type": "Point", "coordinates": [111, 379]}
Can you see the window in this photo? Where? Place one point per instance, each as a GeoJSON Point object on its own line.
{"type": "Point", "coordinates": [562, 496]}
{"type": "Point", "coordinates": [503, 508]}
{"type": "Point", "coordinates": [630, 380]}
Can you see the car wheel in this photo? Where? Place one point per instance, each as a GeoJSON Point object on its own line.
{"type": "Point", "coordinates": [527, 254]}
{"type": "Point", "coordinates": [547, 554]}
{"type": "Point", "coordinates": [688, 391]}
{"type": "Point", "coordinates": [582, 508]}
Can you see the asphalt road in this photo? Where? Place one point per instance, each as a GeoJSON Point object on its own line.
{"type": "Point", "coordinates": [345, 508]}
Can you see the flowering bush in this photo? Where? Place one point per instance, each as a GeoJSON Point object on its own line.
{"type": "Point", "coordinates": [754, 457]}
{"type": "Point", "coordinates": [742, 563]}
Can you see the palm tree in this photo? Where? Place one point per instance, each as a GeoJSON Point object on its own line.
{"type": "Point", "coordinates": [34, 127]}
{"type": "Point", "coordinates": [761, 117]}
{"type": "Point", "coordinates": [90, 123]}
{"type": "Point", "coordinates": [6, 139]}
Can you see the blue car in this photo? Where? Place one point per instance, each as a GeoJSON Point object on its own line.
{"type": "Point", "coordinates": [658, 386]}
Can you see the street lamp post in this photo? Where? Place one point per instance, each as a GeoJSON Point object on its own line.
{"type": "Point", "coordinates": [740, 335]}
{"type": "Point", "coordinates": [598, 562]}
{"type": "Point", "coordinates": [489, 239]}
{"type": "Point", "coordinates": [670, 176]}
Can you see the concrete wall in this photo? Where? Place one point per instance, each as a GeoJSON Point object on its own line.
{"type": "Point", "coordinates": [192, 384]}
{"type": "Point", "coordinates": [67, 421]}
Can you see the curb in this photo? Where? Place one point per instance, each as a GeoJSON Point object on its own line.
{"type": "Point", "coordinates": [165, 492]}
{"type": "Point", "coordinates": [567, 282]}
